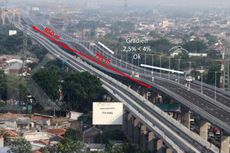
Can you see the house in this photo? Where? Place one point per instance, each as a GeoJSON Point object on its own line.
{"type": "Point", "coordinates": [35, 136]}
{"type": "Point", "coordinates": [90, 134]}
{"type": "Point", "coordinates": [58, 132]}
{"type": "Point", "coordinates": [73, 115]}
{"type": "Point", "coordinates": [40, 122]}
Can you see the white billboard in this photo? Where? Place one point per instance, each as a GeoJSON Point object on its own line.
{"type": "Point", "coordinates": [12, 32]}
{"type": "Point", "coordinates": [107, 113]}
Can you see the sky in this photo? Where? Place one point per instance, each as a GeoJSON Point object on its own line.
{"type": "Point", "coordinates": [142, 3]}
{"type": "Point", "coordinates": [203, 3]}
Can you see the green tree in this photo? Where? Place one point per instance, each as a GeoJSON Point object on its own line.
{"type": "Point", "coordinates": [124, 148]}
{"type": "Point", "coordinates": [210, 76]}
{"type": "Point", "coordinates": [48, 79]}
{"type": "Point", "coordinates": [111, 135]}
{"type": "Point", "coordinates": [3, 85]}
{"type": "Point", "coordinates": [80, 90]}
{"type": "Point", "coordinates": [73, 134]}
{"type": "Point", "coordinates": [20, 146]}
{"type": "Point", "coordinates": [195, 46]}
{"type": "Point", "coordinates": [65, 146]}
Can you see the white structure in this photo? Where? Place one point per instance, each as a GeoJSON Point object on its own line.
{"type": "Point", "coordinates": [12, 32]}
{"type": "Point", "coordinates": [35, 136]}
{"type": "Point", "coordinates": [73, 115]}
{"type": "Point", "coordinates": [107, 113]}
{"type": "Point", "coordinates": [197, 54]}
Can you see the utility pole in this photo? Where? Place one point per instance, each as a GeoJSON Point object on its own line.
{"type": "Point", "coordinates": [225, 65]}
{"type": "Point", "coordinates": [24, 50]}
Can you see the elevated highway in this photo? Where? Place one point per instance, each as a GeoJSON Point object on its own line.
{"type": "Point", "coordinates": [176, 136]}
{"type": "Point", "coordinates": [192, 98]}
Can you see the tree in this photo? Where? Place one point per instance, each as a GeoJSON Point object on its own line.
{"type": "Point", "coordinates": [111, 135]}
{"type": "Point", "coordinates": [73, 134]}
{"type": "Point", "coordinates": [65, 146]}
{"type": "Point", "coordinates": [3, 86]}
{"type": "Point", "coordinates": [20, 146]}
{"type": "Point", "coordinates": [5, 135]}
{"type": "Point", "coordinates": [80, 90]}
{"type": "Point", "coordinates": [48, 79]}
{"type": "Point", "coordinates": [210, 76]}
{"type": "Point", "coordinates": [123, 148]}
{"type": "Point", "coordinates": [195, 46]}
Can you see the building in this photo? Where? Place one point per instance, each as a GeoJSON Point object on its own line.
{"type": "Point", "coordinates": [90, 134]}
{"type": "Point", "coordinates": [73, 115]}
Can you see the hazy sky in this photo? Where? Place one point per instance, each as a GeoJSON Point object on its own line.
{"type": "Point", "coordinates": [171, 2]}
{"type": "Point", "coordinates": [141, 3]}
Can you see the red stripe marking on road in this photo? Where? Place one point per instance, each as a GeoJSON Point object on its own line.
{"type": "Point", "coordinates": [91, 58]}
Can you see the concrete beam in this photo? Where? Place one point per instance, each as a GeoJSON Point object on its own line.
{"type": "Point", "coordinates": [224, 144]}
{"type": "Point", "coordinates": [204, 130]}
{"type": "Point", "coordinates": [185, 117]}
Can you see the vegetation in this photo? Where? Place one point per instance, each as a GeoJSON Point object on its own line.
{"type": "Point", "coordinates": [73, 134]}
{"type": "Point", "coordinates": [111, 135]}
{"type": "Point", "coordinates": [20, 146]}
{"type": "Point", "coordinates": [123, 148]}
{"type": "Point", "coordinates": [79, 89]}
{"type": "Point", "coordinates": [12, 86]}
{"type": "Point", "coordinates": [47, 79]}
{"type": "Point", "coordinates": [9, 44]}
{"type": "Point", "coordinates": [195, 46]}
{"type": "Point", "coordinates": [65, 146]}
{"type": "Point", "coordinates": [70, 144]}
{"type": "Point", "coordinates": [3, 86]}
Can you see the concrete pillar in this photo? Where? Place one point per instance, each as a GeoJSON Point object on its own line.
{"type": "Point", "coordinates": [144, 138]}
{"type": "Point", "coordinates": [169, 150]}
{"type": "Point", "coordinates": [151, 142]}
{"type": "Point", "coordinates": [224, 144]}
{"type": "Point", "coordinates": [125, 122]}
{"type": "Point", "coordinates": [130, 127]}
{"type": "Point", "coordinates": [160, 146]}
{"type": "Point", "coordinates": [204, 130]}
{"type": "Point", "coordinates": [185, 117]}
{"type": "Point", "coordinates": [136, 135]}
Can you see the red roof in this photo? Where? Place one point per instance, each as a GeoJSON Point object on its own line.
{"type": "Point", "coordinates": [35, 118]}
{"type": "Point", "coordinates": [37, 151]}
{"type": "Point", "coordinates": [59, 132]}
{"type": "Point", "coordinates": [45, 142]}
{"type": "Point", "coordinates": [9, 116]}
{"type": "Point", "coordinates": [11, 133]}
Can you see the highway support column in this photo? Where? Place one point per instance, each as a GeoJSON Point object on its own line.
{"type": "Point", "coordinates": [144, 138]}
{"type": "Point", "coordinates": [224, 144]}
{"type": "Point", "coordinates": [130, 127]}
{"type": "Point", "coordinates": [169, 150]}
{"type": "Point", "coordinates": [204, 130]}
{"type": "Point", "coordinates": [185, 117]}
{"type": "Point", "coordinates": [160, 146]}
{"type": "Point", "coordinates": [125, 122]}
{"type": "Point", "coordinates": [136, 130]}
{"type": "Point", "coordinates": [151, 142]}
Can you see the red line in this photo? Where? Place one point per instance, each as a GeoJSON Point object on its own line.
{"type": "Point", "coordinates": [91, 58]}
